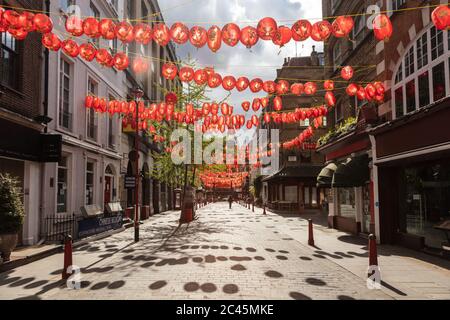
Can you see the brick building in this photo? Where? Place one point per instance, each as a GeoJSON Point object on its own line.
{"type": "Point", "coordinates": [294, 188]}
{"type": "Point", "coordinates": [411, 152]}
{"type": "Point", "coordinates": [403, 142]}
{"type": "Point", "coordinates": [351, 197]}
{"type": "Point", "coordinates": [22, 124]}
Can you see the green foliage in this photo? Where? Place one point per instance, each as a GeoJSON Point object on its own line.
{"type": "Point", "coordinates": [11, 207]}
{"type": "Point", "coordinates": [341, 129]}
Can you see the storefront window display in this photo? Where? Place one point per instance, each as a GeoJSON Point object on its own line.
{"type": "Point", "coordinates": [425, 201]}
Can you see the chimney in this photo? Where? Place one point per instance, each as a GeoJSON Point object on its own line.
{"type": "Point", "coordinates": [314, 57]}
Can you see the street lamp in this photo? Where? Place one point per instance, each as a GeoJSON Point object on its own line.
{"type": "Point", "coordinates": [137, 95]}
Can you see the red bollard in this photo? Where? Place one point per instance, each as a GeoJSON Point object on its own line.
{"type": "Point", "coordinates": [253, 206]}
{"type": "Point", "coordinates": [67, 257]}
{"type": "Point", "coordinates": [264, 211]}
{"type": "Point", "coordinates": [373, 255]}
{"type": "Point", "coordinates": [311, 234]}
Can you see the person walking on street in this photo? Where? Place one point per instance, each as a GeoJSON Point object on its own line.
{"type": "Point", "coordinates": [230, 200]}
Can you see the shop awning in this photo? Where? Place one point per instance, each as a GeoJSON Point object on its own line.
{"type": "Point", "coordinates": [297, 172]}
{"type": "Point", "coordinates": [352, 173]}
{"type": "Point", "coordinates": [325, 178]}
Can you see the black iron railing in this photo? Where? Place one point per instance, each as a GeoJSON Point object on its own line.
{"type": "Point", "coordinates": [57, 227]}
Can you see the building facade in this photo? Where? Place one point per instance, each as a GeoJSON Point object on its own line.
{"type": "Point", "coordinates": [412, 150]}
{"type": "Point", "coordinates": [294, 187]}
{"type": "Point", "coordinates": [22, 121]}
{"type": "Point", "coordinates": [403, 141]}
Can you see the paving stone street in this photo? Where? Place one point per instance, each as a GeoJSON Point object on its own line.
{"type": "Point", "coordinates": [229, 254]}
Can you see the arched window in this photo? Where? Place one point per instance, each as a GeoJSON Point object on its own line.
{"type": "Point", "coordinates": [422, 76]}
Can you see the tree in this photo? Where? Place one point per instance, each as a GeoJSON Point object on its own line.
{"type": "Point", "coordinates": [11, 207]}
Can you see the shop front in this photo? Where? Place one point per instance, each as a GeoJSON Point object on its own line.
{"type": "Point", "coordinates": [413, 158]}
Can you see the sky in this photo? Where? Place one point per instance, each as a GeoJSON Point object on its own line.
{"type": "Point", "coordinates": [259, 62]}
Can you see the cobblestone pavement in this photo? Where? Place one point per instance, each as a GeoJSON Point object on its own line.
{"type": "Point", "coordinates": [224, 254]}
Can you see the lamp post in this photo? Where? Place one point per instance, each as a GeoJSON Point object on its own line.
{"type": "Point", "coordinates": [137, 94]}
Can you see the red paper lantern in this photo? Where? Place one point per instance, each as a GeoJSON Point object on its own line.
{"type": "Point", "coordinates": [270, 87]}
{"type": "Point", "coordinates": [179, 33]}
{"type": "Point", "coordinates": [242, 84]}
{"type": "Point", "coordinates": [18, 33]}
{"type": "Point", "coordinates": [256, 85]}
{"type": "Point", "coordinates": [255, 120]}
{"type": "Point", "coordinates": [140, 65]}
{"type": "Point", "coordinates": [214, 80]}
{"type": "Point", "coordinates": [352, 89]}
{"type": "Point", "coordinates": [282, 87]}
{"type": "Point", "coordinates": [198, 37]}
{"type": "Point", "coordinates": [121, 61]}
{"type": "Point", "coordinates": [11, 18]}
{"type": "Point", "coordinates": [186, 74]}
{"type": "Point", "coordinates": [88, 101]}
{"type": "Point", "coordinates": [297, 89]}
{"type": "Point", "coordinates": [225, 108]}
{"type": "Point", "coordinates": [330, 99]}
{"type": "Point", "coordinates": [264, 102]}
{"type": "Point", "coordinates": [267, 118]}
{"type": "Point", "coordinates": [143, 33]}
{"type": "Point", "coordinates": [214, 38]}
{"type": "Point", "coordinates": [267, 28]}
{"type": "Point", "coordinates": [231, 34]}
{"type": "Point", "coordinates": [321, 31]}
{"type": "Point", "coordinates": [42, 23]}
{"type": "Point", "coordinates": [361, 94]}
{"type": "Point", "coordinates": [169, 71]}
{"type": "Point", "coordinates": [91, 27]}
{"type": "Point", "coordinates": [25, 21]}
{"type": "Point", "coordinates": [88, 52]}
{"type": "Point", "coordinates": [229, 83]}
{"type": "Point", "coordinates": [342, 26]}
{"type": "Point", "coordinates": [74, 26]}
{"type": "Point", "coordinates": [347, 73]}
{"type": "Point", "coordinates": [256, 105]}
{"type": "Point", "coordinates": [310, 88]}
{"type": "Point", "coordinates": [171, 98]}
{"type": "Point", "coordinates": [200, 77]}
{"type": "Point", "coordinates": [51, 41]}
{"type": "Point", "coordinates": [246, 106]}
{"type": "Point", "coordinates": [282, 36]}
{"type": "Point", "coordinates": [371, 91]}
{"type": "Point", "coordinates": [70, 47]}
{"type": "Point", "coordinates": [277, 104]}
{"type": "Point", "coordinates": [441, 17]}
{"type": "Point", "coordinates": [107, 29]}
{"type": "Point", "coordinates": [382, 27]}
{"type": "Point", "coordinates": [103, 57]}
{"type": "Point", "coordinates": [161, 34]}
{"type": "Point", "coordinates": [125, 32]}
{"type": "Point", "coordinates": [328, 85]}
{"type": "Point", "coordinates": [380, 88]}
{"type": "Point", "coordinates": [301, 30]}
{"type": "Point", "coordinates": [249, 36]}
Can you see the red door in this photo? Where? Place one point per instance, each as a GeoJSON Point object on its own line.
{"type": "Point", "coordinates": [108, 188]}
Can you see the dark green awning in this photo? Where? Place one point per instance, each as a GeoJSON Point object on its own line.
{"type": "Point", "coordinates": [297, 172]}
{"type": "Point", "coordinates": [352, 173]}
{"type": "Point", "coordinates": [325, 178]}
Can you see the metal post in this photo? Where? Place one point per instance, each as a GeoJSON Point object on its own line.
{"type": "Point", "coordinates": [138, 94]}
{"type": "Point", "coordinates": [310, 233]}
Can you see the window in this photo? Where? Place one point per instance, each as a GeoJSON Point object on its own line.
{"type": "Point", "coordinates": [65, 4]}
{"type": "Point", "coordinates": [409, 62]}
{"type": "Point", "coordinates": [90, 183]}
{"type": "Point", "coordinates": [437, 43]}
{"type": "Point", "coordinates": [359, 30]}
{"type": "Point", "coordinates": [65, 115]}
{"type": "Point", "coordinates": [439, 82]}
{"type": "Point", "coordinates": [91, 128]}
{"type": "Point", "coordinates": [424, 89]}
{"type": "Point", "coordinates": [62, 196]}
{"type": "Point", "coordinates": [347, 202]}
{"type": "Point", "coordinates": [397, 4]}
{"type": "Point", "coordinates": [9, 60]}
{"type": "Point", "coordinates": [422, 51]}
{"type": "Point", "coordinates": [418, 87]}
{"type": "Point", "coordinates": [96, 14]}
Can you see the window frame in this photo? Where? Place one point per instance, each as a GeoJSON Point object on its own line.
{"type": "Point", "coordinates": [402, 67]}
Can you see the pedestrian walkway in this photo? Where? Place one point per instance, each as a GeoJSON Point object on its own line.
{"type": "Point", "coordinates": [223, 254]}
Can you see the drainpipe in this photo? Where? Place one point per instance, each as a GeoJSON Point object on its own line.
{"type": "Point", "coordinates": [46, 71]}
